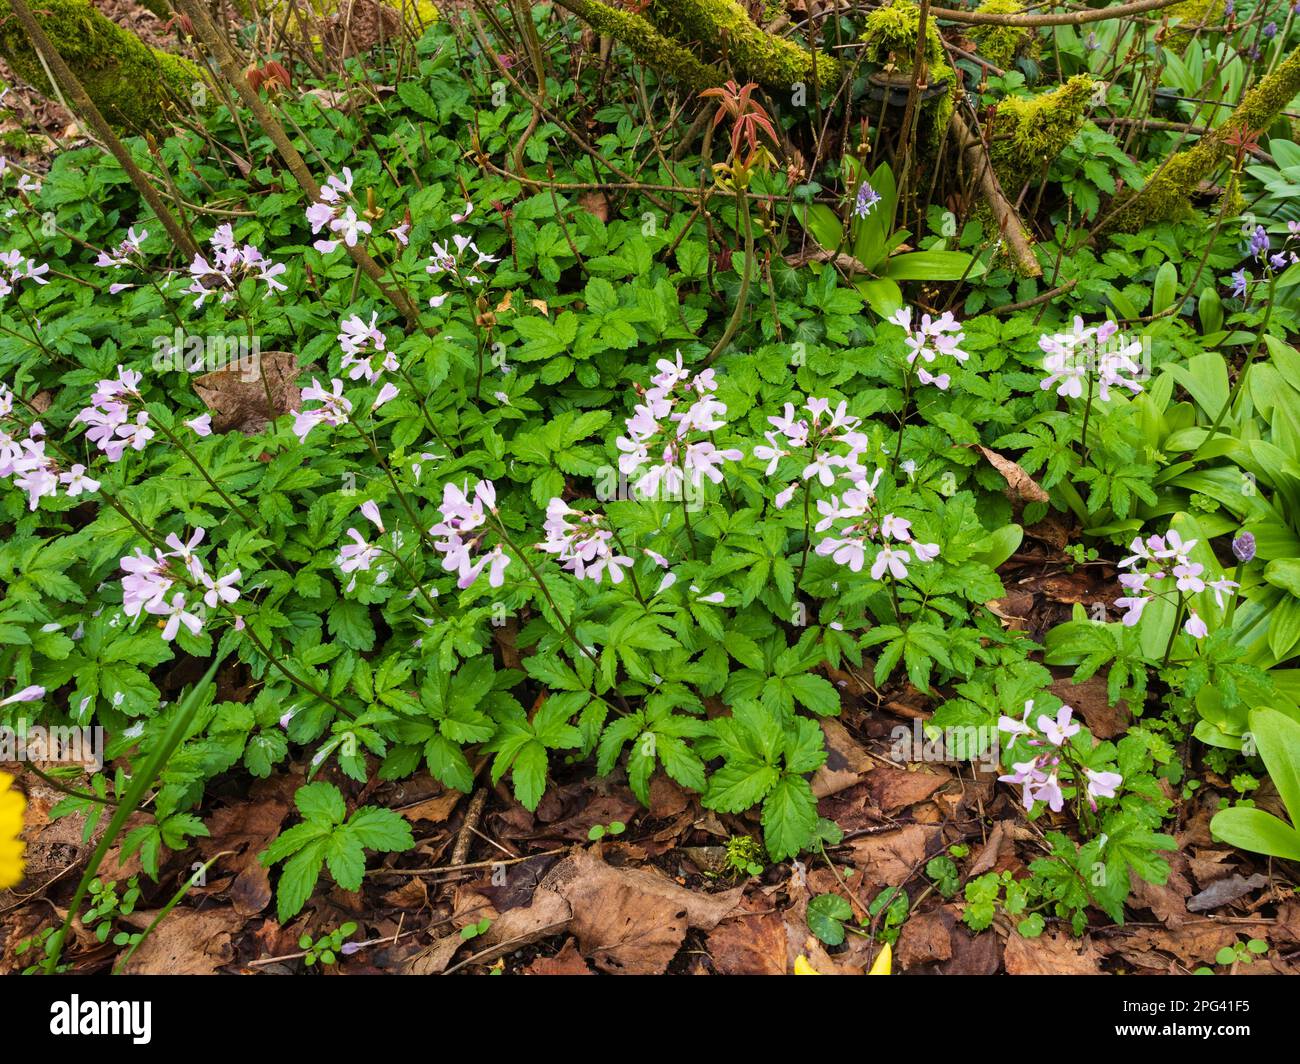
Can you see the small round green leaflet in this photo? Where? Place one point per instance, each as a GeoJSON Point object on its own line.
{"type": "Point", "coordinates": [826, 916]}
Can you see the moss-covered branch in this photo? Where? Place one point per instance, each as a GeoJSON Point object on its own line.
{"type": "Point", "coordinates": [1167, 194]}
{"type": "Point", "coordinates": [131, 83]}
{"type": "Point", "coordinates": [1030, 131]}
{"type": "Point", "coordinates": [725, 31]}
{"type": "Point", "coordinates": [647, 43]}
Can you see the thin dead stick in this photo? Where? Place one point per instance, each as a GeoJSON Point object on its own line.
{"type": "Point", "coordinates": [472, 813]}
{"type": "Point", "coordinates": [464, 867]}
{"type": "Point", "coordinates": [64, 76]}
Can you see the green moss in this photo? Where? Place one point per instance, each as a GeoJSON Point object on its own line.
{"type": "Point", "coordinates": [1030, 130]}
{"type": "Point", "coordinates": [1191, 13]}
{"type": "Point", "coordinates": [1167, 194]}
{"type": "Point", "coordinates": [1002, 45]}
{"type": "Point", "coordinates": [889, 34]}
{"type": "Point", "coordinates": [726, 32]}
{"type": "Point", "coordinates": [648, 44]}
{"type": "Point", "coordinates": [131, 83]}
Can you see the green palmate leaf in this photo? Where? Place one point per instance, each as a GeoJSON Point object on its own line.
{"type": "Point", "coordinates": [529, 774]}
{"type": "Point", "coordinates": [789, 817]}
{"type": "Point", "coordinates": [815, 693]}
{"type": "Point", "coordinates": [381, 829]}
{"type": "Point", "coordinates": [298, 880]}
{"type": "Point", "coordinates": [739, 784]}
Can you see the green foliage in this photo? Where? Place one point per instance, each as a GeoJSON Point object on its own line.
{"type": "Point", "coordinates": [328, 837]}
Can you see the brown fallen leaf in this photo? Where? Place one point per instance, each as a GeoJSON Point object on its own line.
{"type": "Point", "coordinates": [246, 828]}
{"type": "Point", "coordinates": [1021, 487]}
{"type": "Point", "coordinates": [925, 939]}
{"type": "Point", "coordinates": [238, 396]}
{"type": "Point", "coordinates": [972, 953]}
{"type": "Point", "coordinates": [846, 761]}
{"type": "Point", "coordinates": [893, 789]}
{"type": "Point", "coordinates": [998, 840]}
{"type": "Point", "coordinates": [1091, 700]}
{"type": "Point", "coordinates": [889, 858]}
{"type": "Point", "coordinates": [749, 945]}
{"type": "Point", "coordinates": [1051, 953]}
{"type": "Point", "coordinates": [1225, 891]}
{"type": "Point", "coordinates": [632, 920]}
{"type": "Point", "coordinates": [1192, 944]}
{"type": "Point", "coordinates": [187, 942]}
{"type": "Point", "coordinates": [567, 962]}
{"type": "Point", "coordinates": [359, 26]}
{"type": "Point", "coordinates": [434, 810]}
{"type": "Point", "coordinates": [594, 202]}
{"type": "Point", "coordinates": [434, 958]}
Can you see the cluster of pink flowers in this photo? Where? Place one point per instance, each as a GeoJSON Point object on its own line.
{"type": "Point", "coordinates": [888, 538]}
{"type": "Point", "coordinates": [462, 530]}
{"type": "Point", "coordinates": [32, 470]}
{"type": "Point", "coordinates": [230, 265]}
{"type": "Point", "coordinates": [359, 556]}
{"type": "Point", "coordinates": [1069, 359]}
{"type": "Point", "coordinates": [583, 545]}
{"type": "Point", "coordinates": [1162, 557]}
{"type": "Point", "coordinates": [127, 253]}
{"type": "Point", "coordinates": [111, 427]}
{"type": "Point", "coordinates": [15, 268]}
{"type": "Point", "coordinates": [334, 409]}
{"type": "Point", "coordinates": [445, 260]}
{"type": "Point", "coordinates": [1039, 775]}
{"type": "Point", "coordinates": [333, 212]}
{"type": "Point", "coordinates": [678, 437]}
{"type": "Point", "coordinates": [148, 583]}
{"type": "Point", "coordinates": [816, 440]}
{"type": "Point", "coordinates": [931, 338]}
{"type": "Point", "coordinates": [363, 345]}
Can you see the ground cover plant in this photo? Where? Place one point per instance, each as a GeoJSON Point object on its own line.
{"type": "Point", "coordinates": [477, 481]}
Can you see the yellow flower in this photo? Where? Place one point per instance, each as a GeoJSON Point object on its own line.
{"type": "Point", "coordinates": [11, 824]}
{"type": "Point", "coordinates": [884, 961]}
{"type": "Point", "coordinates": [802, 967]}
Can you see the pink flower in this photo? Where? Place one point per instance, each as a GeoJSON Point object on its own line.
{"type": "Point", "coordinates": [1017, 728]}
{"type": "Point", "coordinates": [895, 561]}
{"type": "Point", "coordinates": [1028, 775]}
{"type": "Point", "coordinates": [176, 615]}
{"type": "Point", "coordinates": [77, 481]}
{"type": "Point", "coordinates": [357, 556]}
{"type": "Point", "coordinates": [1195, 627]}
{"type": "Point", "coordinates": [146, 582]}
{"type": "Point", "coordinates": [1102, 784]}
{"type": "Point", "coordinates": [27, 694]}
{"type": "Point", "coordinates": [222, 590]}
{"type": "Point", "coordinates": [371, 513]}
{"type": "Point", "coordinates": [201, 425]}
{"type": "Point", "coordinates": [1059, 730]}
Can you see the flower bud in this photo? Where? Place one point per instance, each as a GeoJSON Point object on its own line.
{"type": "Point", "coordinates": [1243, 547]}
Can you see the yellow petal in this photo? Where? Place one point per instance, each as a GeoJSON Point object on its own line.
{"type": "Point", "coordinates": [802, 967]}
{"type": "Point", "coordinates": [884, 960]}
